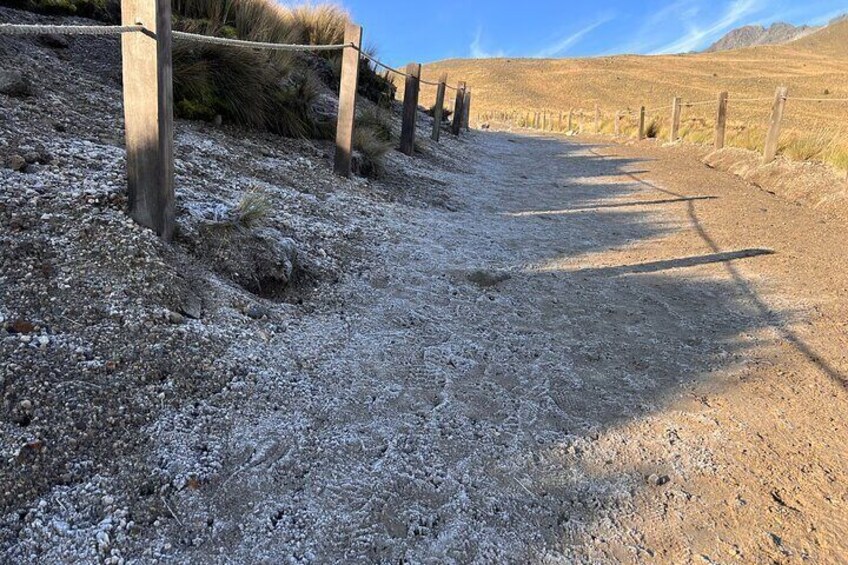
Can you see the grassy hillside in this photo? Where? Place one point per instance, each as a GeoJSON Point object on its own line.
{"type": "Point", "coordinates": [813, 67]}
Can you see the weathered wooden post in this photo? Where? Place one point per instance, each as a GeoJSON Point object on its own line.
{"type": "Point", "coordinates": [456, 123]}
{"type": "Point", "coordinates": [466, 105]}
{"type": "Point", "coordinates": [641, 123]}
{"type": "Point", "coordinates": [347, 100]}
{"type": "Point", "coordinates": [721, 121]}
{"type": "Point", "coordinates": [597, 118]}
{"type": "Point", "coordinates": [773, 136]}
{"type": "Point", "coordinates": [149, 114]}
{"type": "Point", "coordinates": [439, 109]}
{"type": "Point", "coordinates": [410, 108]}
{"type": "Point", "coordinates": [676, 110]}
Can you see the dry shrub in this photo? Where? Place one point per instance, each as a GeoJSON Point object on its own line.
{"type": "Point", "coordinates": [752, 139]}
{"type": "Point", "coordinates": [654, 128]}
{"type": "Point", "coordinates": [270, 90]}
{"type": "Point", "coordinates": [372, 139]}
{"type": "Point", "coordinates": [323, 24]}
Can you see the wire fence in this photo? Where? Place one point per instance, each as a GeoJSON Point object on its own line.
{"type": "Point", "coordinates": [830, 142]}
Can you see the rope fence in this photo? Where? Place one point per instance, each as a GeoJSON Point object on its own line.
{"type": "Point", "coordinates": [31, 29]}
{"type": "Point", "coordinates": [149, 104]}
{"type": "Point", "coordinates": [211, 40]}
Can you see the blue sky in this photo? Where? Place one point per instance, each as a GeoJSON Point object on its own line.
{"type": "Point", "coordinates": [439, 29]}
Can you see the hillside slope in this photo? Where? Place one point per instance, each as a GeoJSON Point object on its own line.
{"type": "Point", "coordinates": [813, 67]}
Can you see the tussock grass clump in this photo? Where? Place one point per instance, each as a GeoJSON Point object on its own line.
{"type": "Point", "coordinates": [373, 139]}
{"type": "Point", "coordinates": [446, 114]}
{"type": "Point", "coordinates": [372, 152]}
{"type": "Point", "coordinates": [253, 209]}
{"type": "Point", "coordinates": [274, 91]}
{"type": "Point", "coordinates": [805, 147]}
{"type": "Point", "coordinates": [697, 132]}
{"type": "Point", "coordinates": [752, 139]}
{"type": "Point", "coordinates": [653, 129]}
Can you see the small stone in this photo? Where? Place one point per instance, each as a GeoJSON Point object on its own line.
{"type": "Point", "coordinates": [103, 541]}
{"type": "Point", "coordinates": [256, 311]}
{"type": "Point", "coordinates": [174, 317]}
{"type": "Point", "coordinates": [14, 83]}
{"type": "Point", "coordinates": [658, 480]}
{"type": "Point", "coordinates": [43, 341]}
{"type": "Point", "coordinates": [16, 163]}
{"type": "Point", "coordinates": [32, 157]}
{"type": "Point", "coordinates": [20, 327]}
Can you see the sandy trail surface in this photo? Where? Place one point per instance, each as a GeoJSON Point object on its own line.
{"type": "Point", "coordinates": [602, 354]}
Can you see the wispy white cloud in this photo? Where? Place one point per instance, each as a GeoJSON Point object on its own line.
{"type": "Point", "coordinates": [477, 50]}
{"type": "Point", "coordinates": [646, 38]}
{"type": "Point", "coordinates": [561, 45]}
{"type": "Point", "coordinates": [700, 33]}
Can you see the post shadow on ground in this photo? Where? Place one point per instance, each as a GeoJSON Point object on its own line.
{"type": "Point", "coordinates": [635, 335]}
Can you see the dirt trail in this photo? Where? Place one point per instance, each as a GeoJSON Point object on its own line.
{"type": "Point", "coordinates": [589, 360]}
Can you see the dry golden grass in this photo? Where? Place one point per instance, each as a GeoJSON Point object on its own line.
{"type": "Point", "coordinates": [810, 67]}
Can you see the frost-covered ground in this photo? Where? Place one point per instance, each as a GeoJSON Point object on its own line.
{"type": "Point", "coordinates": [509, 350]}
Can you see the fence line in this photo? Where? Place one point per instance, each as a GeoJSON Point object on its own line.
{"type": "Point", "coordinates": [146, 53]}
{"type": "Point", "coordinates": [539, 120]}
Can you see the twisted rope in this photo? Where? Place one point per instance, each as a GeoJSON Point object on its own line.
{"type": "Point", "coordinates": [31, 29]}
{"type": "Point", "coordinates": [381, 64]}
{"type": "Point", "coordinates": [208, 39]}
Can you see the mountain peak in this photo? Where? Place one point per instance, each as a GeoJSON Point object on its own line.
{"type": "Point", "coordinates": [751, 35]}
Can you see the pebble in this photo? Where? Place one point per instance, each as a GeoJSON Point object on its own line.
{"type": "Point", "coordinates": [256, 311]}
{"type": "Point", "coordinates": [658, 480]}
{"type": "Point", "coordinates": [16, 163]}
{"type": "Point", "coordinates": [174, 317]}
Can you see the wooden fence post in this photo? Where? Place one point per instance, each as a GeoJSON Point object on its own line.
{"type": "Point", "coordinates": [149, 114]}
{"type": "Point", "coordinates": [597, 118]}
{"type": "Point", "coordinates": [439, 109]}
{"type": "Point", "coordinates": [641, 123]}
{"type": "Point", "coordinates": [456, 123]}
{"type": "Point", "coordinates": [675, 118]}
{"type": "Point", "coordinates": [466, 105]}
{"type": "Point", "coordinates": [721, 121]}
{"type": "Point", "coordinates": [773, 136]}
{"type": "Point", "coordinates": [410, 108]}
{"type": "Point", "coordinates": [347, 100]}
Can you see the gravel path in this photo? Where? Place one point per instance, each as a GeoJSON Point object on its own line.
{"type": "Point", "coordinates": [567, 368]}
{"type": "Point", "coordinates": [512, 349]}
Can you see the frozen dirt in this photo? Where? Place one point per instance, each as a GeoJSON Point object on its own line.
{"type": "Point", "coordinates": [512, 349]}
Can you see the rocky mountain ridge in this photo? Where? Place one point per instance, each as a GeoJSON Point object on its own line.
{"type": "Point", "coordinates": [777, 33]}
